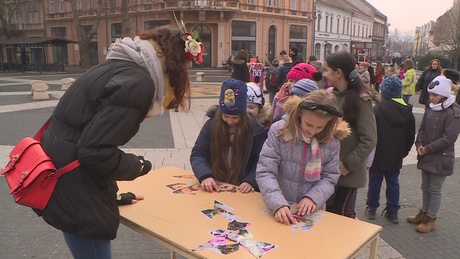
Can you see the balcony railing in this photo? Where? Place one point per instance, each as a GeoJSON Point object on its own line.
{"type": "Point", "coordinates": [203, 4]}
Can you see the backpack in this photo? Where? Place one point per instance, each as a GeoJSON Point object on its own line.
{"type": "Point", "coordinates": [273, 79]}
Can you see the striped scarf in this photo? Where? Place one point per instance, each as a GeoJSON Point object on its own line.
{"type": "Point", "coordinates": [313, 165]}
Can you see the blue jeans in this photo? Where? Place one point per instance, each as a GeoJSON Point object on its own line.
{"type": "Point", "coordinates": [391, 193]}
{"type": "Point", "coordinates": [406, 98]}
{"type": "Point", "coordinates": [88, 248]}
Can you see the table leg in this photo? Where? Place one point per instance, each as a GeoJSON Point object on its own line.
{"type": "Point", "coordinates": [374, 243]}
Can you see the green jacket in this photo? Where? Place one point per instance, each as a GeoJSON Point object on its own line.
{"type": "Point", "coordinates": [409, 82]}
{"type": "Point", "coordinates": [355, 148]}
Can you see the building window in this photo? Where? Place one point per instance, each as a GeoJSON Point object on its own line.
{"type": "Point", "coordinates": [91, 4]}
{"type": "Point", "coordinates": [148, 25]}
{"type": "Point", "coordinates": [33, 17]}
{"type": "Point", "coordinates": [343, 29]}
{"type": "Point", "coordinates": [348, 27]}
{"type": "Point", "coordinates": [113, 4]}
{"type": "Point", "coordinates": [318, 50]}
{"type": "Point", "coordinates": [344, 47]}
{"type": "Point", "coordinates": [327, 22]}
{"type": "Point", "coordinates": [60, 55]}
{"type": "Point", "coordinates": [244, 37]}
{"type": "Point", "coordinates": [303, 6]}
{"type": "Point", "coordinates": [116, 31]}
{"type": "Point", "coordinates": [327, 49]}
{"type": "Point", "coordinates": [319, 23]}
{"type": "Point", "coordinates": [251, 2]}
{"type": "Point", "coordinates": [293, 4]}
{"type": "Point", "coordinates": [79, 5]}
{"type": "Point", "coordinates": [298, 38]}
{"type": "Point", "coordinates": [354, 29]}
{"type": "Point", "coordinates": [336, 48]}
{"type": "Point", "coordinates": [61, 6]}
{"type": "Point", "coordinates": [330, 29]}
{"type": "Point", "coordinates": [52, 10]}
{"type": "Point", "coordinates": [273, 3]}
{"type": "Point", "coordinates": [338, 25]}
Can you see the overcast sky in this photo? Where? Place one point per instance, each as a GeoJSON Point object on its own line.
{"type": "Point", "coordinates": [405, 15]}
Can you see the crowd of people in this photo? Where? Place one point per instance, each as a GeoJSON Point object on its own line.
{"type": "Point", "coordinates": [375, 106]}
{"type": "Point", "coordinates": [326, 128]}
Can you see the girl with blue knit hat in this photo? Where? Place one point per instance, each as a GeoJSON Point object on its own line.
{"type": "Point", "coordinates": [435, 144]}
{"type": "Point", "coordinates": [227, 148]}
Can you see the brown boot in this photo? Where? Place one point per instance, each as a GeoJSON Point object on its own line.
{"type": "Point", "coordinates": [417, 219]}
{"type": "Point", "coordinates": [427, 225]}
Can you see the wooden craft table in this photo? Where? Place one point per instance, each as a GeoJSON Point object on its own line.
{"type": "Point", "coordinates": [175, 221]}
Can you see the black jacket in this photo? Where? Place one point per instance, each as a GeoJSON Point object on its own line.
{"type": "Point", "coordinates": [422, 83]}
{"type": "Point", "coordinates": [240, 70]}
{"type": "Point", "coordinates": [282, 73]}
{"type": "Point", "coordinates": [101, 111]}
{"type": "Point", "coordinates": [395, 134]}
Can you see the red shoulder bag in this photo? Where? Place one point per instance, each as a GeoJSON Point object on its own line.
{"type": "Point", "coordinates": [30, 173]}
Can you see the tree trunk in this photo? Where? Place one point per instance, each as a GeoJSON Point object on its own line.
{"type": "Point", "coordinates": [84, 55]}
{"type": "Point", "coordinates": [126, 25]}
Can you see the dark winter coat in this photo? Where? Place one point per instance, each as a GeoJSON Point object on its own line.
{"type": "Point", "coordinates": [240, 70]}
{"type": "Point", "coordinates": [200, 156]}
{"type": "Point", "coordinates": [271, 70]}
{"type": "Point", "coordinates": [438, 132]}
{"type": "Point", "coordinates": [422, 83]}
{"type": "Point", "coordinates": [282, 73]}
{"type": "Point", "coordinates": [101, 111]}
{"type": "Point", "coordinates": [395, 133]}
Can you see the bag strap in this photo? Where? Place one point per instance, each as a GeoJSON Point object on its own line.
{"type": "Point", "coordinates": [39, 134]}
{"type": "Point", "coordinates": [67, 168]}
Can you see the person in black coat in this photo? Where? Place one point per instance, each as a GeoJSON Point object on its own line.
{"type": "Point", "coordinates": [240, 66]}
{"type": "Point", "coordinates": [432, 71]}
{"type": "Point", "coordinates": [101, 111]}
{"type": "Point", "coordinates": [395, 137]}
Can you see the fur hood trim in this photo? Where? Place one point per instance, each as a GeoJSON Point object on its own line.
{"type": "Point", "coordinates": [265, 114]}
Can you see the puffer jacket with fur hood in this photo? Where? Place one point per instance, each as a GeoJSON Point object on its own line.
{"type": "Point", "coordinates": [281, 167]}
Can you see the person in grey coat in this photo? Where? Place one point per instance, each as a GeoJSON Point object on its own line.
{"type": "Point", "coordinates": [435, 144]}
{"type": "Point", "coordinates": [299, 161]}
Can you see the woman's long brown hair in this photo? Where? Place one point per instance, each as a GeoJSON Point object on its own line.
{"type": "Point", "coordinates": [223, 169]}
{"type": "Point", "coordinates": [177, 64]}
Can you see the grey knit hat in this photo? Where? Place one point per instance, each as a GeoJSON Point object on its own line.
{"type": "Point", "coordinates": [303, 87]}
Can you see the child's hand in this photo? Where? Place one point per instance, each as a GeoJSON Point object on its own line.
{"type": "Point", "coordinates": [209, 185]}
{"type": "Point", "coordinates": [284, 215]}
{"type": "Point", "coordinates": [421, 150]}
{"type": "Point", "coordinates": [306, 206]}
{"type": "Point", "coordinates": [245, 187]}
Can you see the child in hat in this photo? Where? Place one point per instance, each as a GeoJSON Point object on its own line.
{"type": "Point", "coordinates": [299, 161]}
{"type": "Point", "coordinates": [297, 72]}
{"type": "Point", "coordinates": [435, 142]}
{"type": "Point", "coordinates": [227, 148]}
{"type": "Point", "coordinates": [300, 89]}
{"type": "Point", "coordinates": [395, 136]}
{"type": "Point", "coordinates": [257, 105]}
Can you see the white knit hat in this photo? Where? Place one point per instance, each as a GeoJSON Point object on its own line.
{"type": "Point", "coordinates": [441, 86]}
{"type": "Point", "coordinates": [255, 94]}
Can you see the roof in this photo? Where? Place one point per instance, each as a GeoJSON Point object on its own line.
{"type": "Point", "coordinates": [36, 41]}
